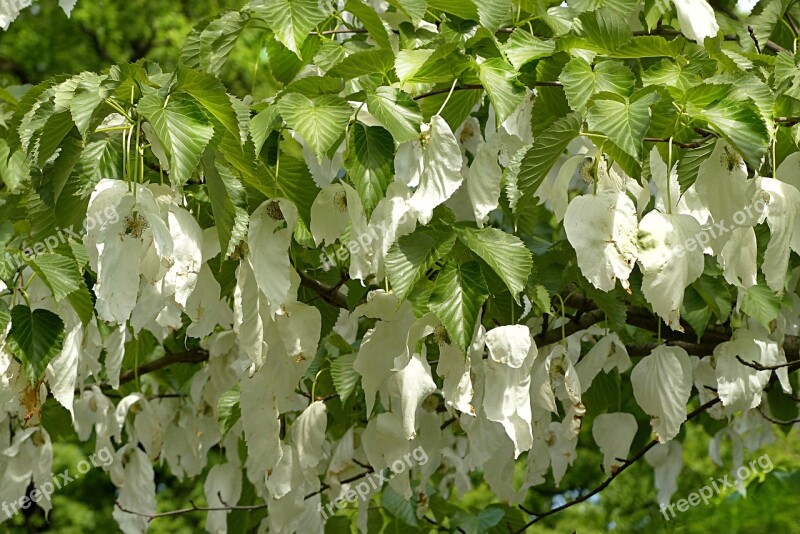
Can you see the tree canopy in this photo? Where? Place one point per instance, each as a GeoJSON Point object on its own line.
{"type": "Point", "coordinates": [431, 265]}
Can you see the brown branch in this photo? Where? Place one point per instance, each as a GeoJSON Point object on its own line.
{"type": "Point", "coordinates": [195, 356]}
{"type": "Point", "coordinates": [777, 421]}
{"type": "Point", "coordinates": [636, 457]}
{"type": "Point", "coordinates": [787, 121]}
{"type": "Point", "coordinates": [692, 144]}
{"type": "Point", "coordinates": [758, 367]}
{"type": "Point", "coordinates": [752, 33]}
{"type": "Point", "coordinates": [473, 87]}
{"type": "Point", "coordinates": [193, 508]}
{"type": "Point", "coordinates": [330, 294]}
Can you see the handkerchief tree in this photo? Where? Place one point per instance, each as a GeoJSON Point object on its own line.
{"type": "Point", "coordinates": [482, 230]}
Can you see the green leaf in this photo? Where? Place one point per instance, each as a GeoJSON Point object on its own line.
{"type": "Point", "coordinates": [478, 524]}
{"type": "Point", "coordinates": [370, 162]}
{"type": "Point", "coordinates": [624, 121]}
{"type": "Point", "coordinates": [668, 72]}
{"type": "Point", "coordinates": [415, 9]}
{"type": "Point", "coordinates": [59, 273]}
{"type": "Point", "coordinates": [396, 111]}
{"type": "Point", "coordinates": [36, 337]}
{"type": "Point", "coordinates": [545, 151]}
{"type": "Point", "coordinates": [500, 82]}
{"type": "Point", "coordinates": [292, 20]}
{"type": "Point", "coordinates": [457, 109]}
{"type": "Point", "coordinates": [183, 129]}
{"type": "Point", "coordinates": [741, 125]}
{"type": "Point", "coordinates": [81, 301]}
{"type": "Point", "coordinates": [440, 65]}
{"type": "Point", "coordinates": [5, 316]}
{"type": "Point", "coordinates": [399, 506]}
{"type": "Point", "coordinates": [210, 94]}
{"type": "Point", "coordinates": [494, 13]}
{"type": "Point", "coordinates": [362, 63]}
{"type": "Point", "coordinates": [463, 9]}
{"type": "Point", "coordinates": [293, 181]}
{"type": "Point", "coordinates": [208, 46]}
{"type": "Point", "coordinates": [505, 253]}
{"type": "Point", "coordinates": [581, 81]}
{"type": "Point", "coordinates": [623, 7]}
{"type": "Point", "coordinates": [344, 376]}
{"type": "Point", "coordinates": [761, 304]}
{"type": "Point", "coordinates": [410, 258]}
{"type": "Point", "coordinates": [458, 294]}
{"type": "Point", "coordinates": [228, 204]}
{"type": "Point", "coordinates": [605, 30]}
{"type": "Point", "coordinates": [371, 21]}
{"type": "Point", "coordinates": [523, 47]}
{"type": "Point", "coordinates": [49, 138]}
{"type": "Point", "coordinates": [321, 121]}
{"type": "Point", "coordinates": [690, 161]}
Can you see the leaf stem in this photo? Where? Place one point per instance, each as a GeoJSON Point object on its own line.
{"type": "Point", "coordinates": [452, 88]}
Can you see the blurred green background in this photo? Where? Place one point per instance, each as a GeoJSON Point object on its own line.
{"type": "Point", "coordinates": [44, 43]}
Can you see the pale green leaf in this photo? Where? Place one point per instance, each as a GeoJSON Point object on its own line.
{"type": "Point", "coordinates": [36, 337]}
{"type": "Point", "coordinates": [505, 253]}
{"type": "Point", "coordinates": [321, 121]}
{"type": "Point", "coordinates": [458, 294]}
{"type": "Point", "coordinates": [183, 129]}
{"type": "Point", "coordinates": [397, 111]}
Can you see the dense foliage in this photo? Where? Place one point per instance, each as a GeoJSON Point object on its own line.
{"type": "Point", "coordinates": [459, 242]}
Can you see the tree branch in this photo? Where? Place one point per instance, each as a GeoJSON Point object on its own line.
{"type": "Point", "coordinates": [636, 457]}
{"type": "Point", "coordinates": [758, 367]}
{"type": "Point", "coordinates": [776, 421]}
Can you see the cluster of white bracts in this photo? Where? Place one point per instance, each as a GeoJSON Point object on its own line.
{"type": "Point", "coordinates": [714, 216]}
{"type": "Point", "coordinates": [510, 396]}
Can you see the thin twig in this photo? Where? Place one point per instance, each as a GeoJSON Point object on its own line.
{"type": "Point", "coordinates": [777, 421]}
{"type": "Point", "coordinates": [636, 457]}
{"type": "Point", "coordinates": [758, 367]}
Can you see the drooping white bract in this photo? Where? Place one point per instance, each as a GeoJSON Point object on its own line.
{"type": "Point", "coordinates": [602, 229]}
{"type": "Point", "coordinates": [662, 383]}
{"type": "Point", "coordinates": [337, 208]}
{"type": "Point", "coordinates": [483, 178]}
{"type": "Point", "coordinates": [614, 433]}
{"type": "Point", "coordinates": [130, 240]}
{"type": "Point", "coordinates": [723, 188]}
{"type": "Point", "coordinates": [738, 258]}
{"type": "Point", "coordinates": [28, 458]}
{"type": "Point", "coordinates": [308, 433]}
{"type": "Point", "coordinates": [666, 459]}
{"type": "Point", "coordinates": [391, 219]}
{"type": "Point", "coordinates": [414, 383]}
{"type": "Point", "coordinates": [132, 473]}
{"type": "Point", "coordinates": [384, 442]}
{"type": "Point", "coordinates": [782, 213]}
{"type": "Point", "coordinates": [381, 344]}
{"type": "Point", "coordinates": [555, 377]}
{"type": "Point", "coordinates": [506, 397]}
{"type": "Point", "coordinates": [258, 405]}
{"type": "Point", "coordinates": [441, 170]}
{"type": "Point", "coordinates": [740, 387]}
{"type": "Point", "coordinates": [668, 262]}
{"type": "Point", "coordinates": [668, 198]}
{"type": "Point", "coordinates": [696, 18]}
{"type": "Point", "coordinates": [268, 239]}
{"type": "Point", "coordinates": [146, 251]}
{"type": "Point", "coordinates": [609, 352]}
